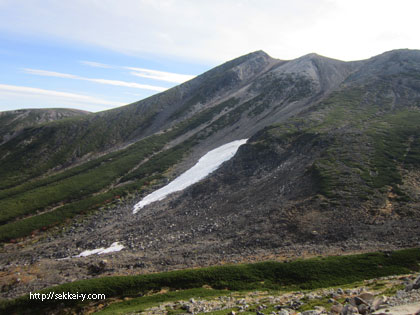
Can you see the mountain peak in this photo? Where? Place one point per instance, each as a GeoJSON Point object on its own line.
{"type": "Point", "coordinates": [259, 53]}
{"type": "Point", "coordinates": [311, 55]}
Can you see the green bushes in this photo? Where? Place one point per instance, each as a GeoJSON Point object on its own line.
{"type": "Point", "coordinates": [76, 184]}
{"type": "Point", "coordinates": [393, 147]}
{"type": "Point", "coordinates": [82, 188]}
{"type": "Point", "coordinates": [301, 274]}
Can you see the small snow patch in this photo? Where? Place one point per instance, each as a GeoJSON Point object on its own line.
{"type": "Point", "coordinates": [207, 164]}
{"type": "Point", "coordinates": [115, 247]}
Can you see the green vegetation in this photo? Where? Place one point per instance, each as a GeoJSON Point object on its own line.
{"type": "Point", "coordinates": [16, 120]}
{"type": "Point", "coordinates": [42, 221]}
{"type": "Point", "coordinates": [45, 202]}
{"type": "Point", "coordinates": [393, 290]}
{"type": "Point", "coordinates": [364, 142]}
{"type": "Point", "coordinates": [393, 139]}
{"type": "Point", "coordinates": [301, 274]}
{"type": "Point", "coordinates": [142, 303]}
{"type": "Point", "coordinates": [76, 183]}
{"type": "Point", "coordinates": [310, 304]}
{"type": "Point", "coordinates": [287, 88]}
{"type": "Point", "coordinates": [79, 192]}
{"type": "Point", "coordinates": [42, 148]}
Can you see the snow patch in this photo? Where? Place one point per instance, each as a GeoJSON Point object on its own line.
{"type": "Point", "coordinates": [207, 164]}
{"type": "Point", "coordinates": [115, 247]}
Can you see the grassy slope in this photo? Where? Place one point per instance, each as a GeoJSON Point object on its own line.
{"type": "Point", "coordinates": [89, 185]}
{"type": "Point", "coordinates": [59, 144]}
{"type": "Point", "coordinates": [365, 142]}
{"type": "Point", "coordinates": [15, 120]}
{"type": "Point", "coordinates": [301, 274]}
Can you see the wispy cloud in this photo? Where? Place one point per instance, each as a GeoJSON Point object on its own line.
{"type": "Point", "coordinates": [79, 98]}
{"type": "Point", "coordinates": [95, 64]}
{"type": "Point", "coordinates": [101, 81]}
{"type": "Point", "coordinates": [50, 73]}
{"type": "Point", "coordinates": [160, 75]}
{"type": "Point", "coordinates": [146, 73]}
{"type": "Point", "coordinates": [222, 29]}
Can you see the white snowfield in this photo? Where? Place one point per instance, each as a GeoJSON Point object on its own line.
{"type": "Point", "coordinates": [115, 247]}
{"type": "Point", "coordinates": [207, 164]}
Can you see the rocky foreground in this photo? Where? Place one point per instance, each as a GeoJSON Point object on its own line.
{"type": "Point", "coordinates": [43, 260]}
{"type": "Point", "coordinates": [389, 295]}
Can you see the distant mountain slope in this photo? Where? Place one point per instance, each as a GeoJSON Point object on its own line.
{"type": "Point", "coordinates": [345, 170]}
{"type": "Point", "coordinates": [61, 144]}
{"type": "Point", "coordinates": [332, 164]}
{"type": "Point", "coordinates": [130, 148]}
{"type": "Point", "coordinates": [14, 121]}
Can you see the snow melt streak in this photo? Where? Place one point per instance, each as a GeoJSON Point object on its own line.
{"type": "Point", "coordinates": [205, 165]}
{"type": "Point", "coordinates": [115, 247]}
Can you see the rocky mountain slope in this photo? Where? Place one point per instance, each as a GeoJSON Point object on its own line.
{"type": "Point", "coordinates": [14, 121]}
{"type": "Point", "coordinates": [331, 165]}
{"type": "Point", "coordinates": [89, 160]}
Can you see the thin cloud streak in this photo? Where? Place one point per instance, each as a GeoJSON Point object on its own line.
{"type": "Point", "coordinates": [47, 73]}
{"type": "Point", "coordinates": [160, 75]}
{"type": "Point", "coordinates": [18, 90]}
{"type": "Point", "coordinates": [101, 81]}
{"type": "Point", "coordinates": [146, 73]}
{"type": "Point", "coordinates": [95, 64]}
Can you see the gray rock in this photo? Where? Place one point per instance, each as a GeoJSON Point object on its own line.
{"type": "Point", "coordinates": [310, 312]}
{"type": "Point", "coordinates": [349, 309]}
{"type": "Point", "coordinates": [97, 268]}
{"type": "Point", "coordinates": [363, 309]}
{"type": "Point", "coordinates": [416, 284]}
{"type": "Point", "coordinates": [368, 297]}
{"type": "Point", "coordinates": [352, 301]}
{"type": "Point", "coordinates": [337, 308]}
{"type": "Point", "coordinates": [360, 301]}
{"type": "Point", "coordinates": [377, 302]}
{"type": "Point", "coordinates": [310, 296]}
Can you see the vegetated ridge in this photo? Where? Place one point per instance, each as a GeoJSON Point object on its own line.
{"type": "Point", "coordinates": [14, 121]}
{"type": "Point", "coordinates": [332, 165]}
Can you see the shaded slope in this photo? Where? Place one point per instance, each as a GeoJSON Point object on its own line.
{"type": "Point", "coordinates": [14, 121]}
{"type": "Point", "coordinates": [61, 144]}
{"type": "Point", "coordinates": [332, 165]}
{"type": "Point", "coordinates": [344, 170]}
{"type": "Point", "coordinates": [236, 100]}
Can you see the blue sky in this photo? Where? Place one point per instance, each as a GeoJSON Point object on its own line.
{"type": "Point", "coordinates": [38, 72]}
{"type": "Point", "coordinates": [96, 55]}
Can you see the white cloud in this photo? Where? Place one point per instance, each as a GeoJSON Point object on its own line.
{"type": "Point", "coordinates": [146, 73]}
{"type": "Point", "coordinates": [160, 75]}
{"type": "Point", "coordinates": [101, 81]}
{"type": "Point", "coordinates": [58, 97]}
{"type": "Point", "coordinates": [46, 73]}
{"type": "Point", "coordinates": [95, 64]}
{"type": "Point", "coordinates": [217, 30]}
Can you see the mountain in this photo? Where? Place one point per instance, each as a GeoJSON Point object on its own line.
{"type": "Point", "coordinates": [14, 121]}
{"type": "Point", "coordinates": [90, 159]}
{"type": "Point", "coordinates": [331, 165]}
